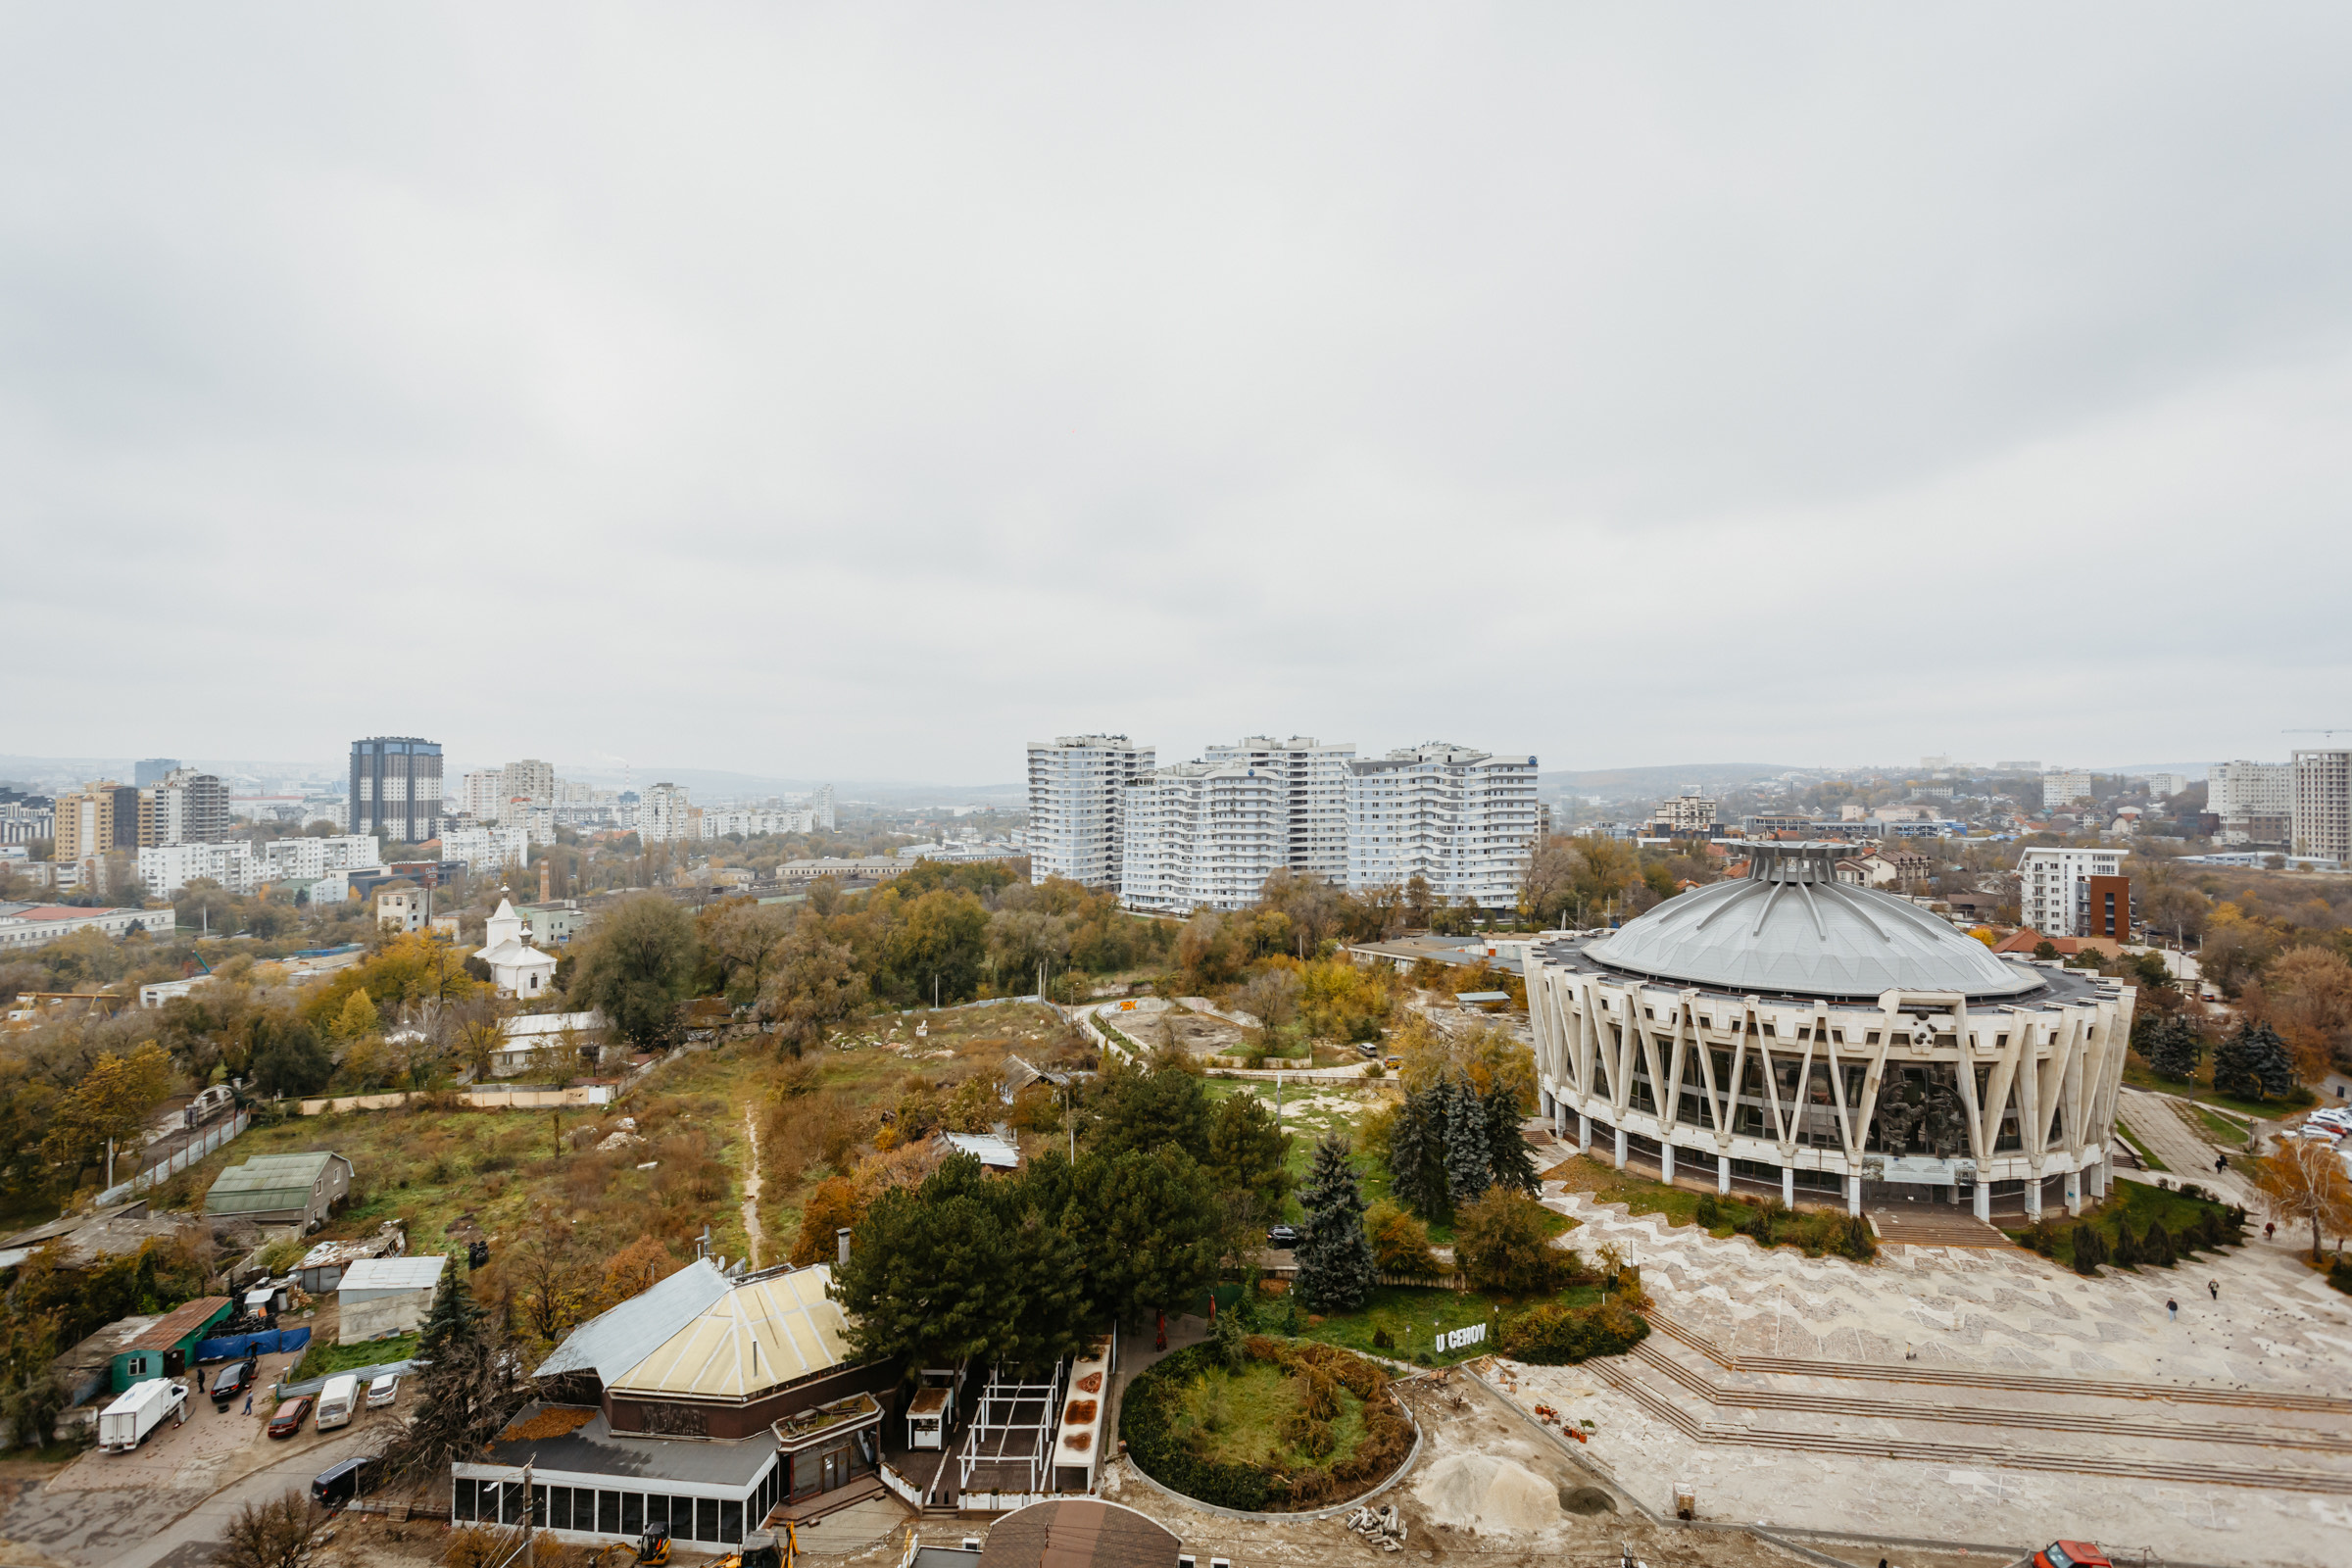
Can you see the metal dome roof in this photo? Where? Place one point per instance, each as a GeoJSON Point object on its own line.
{"type": "Point", "coordinates": [1790, 928]}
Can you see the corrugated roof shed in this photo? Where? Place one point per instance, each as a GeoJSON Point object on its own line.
{"type": "Point", "coordinates": [180, 1322]}
{"type": "Point", "coordinates": [267, 1182]}
{"type": "Point", "coordinates": [420, 1273]}
{"type": "Point", "coordinates": [768, 1329]}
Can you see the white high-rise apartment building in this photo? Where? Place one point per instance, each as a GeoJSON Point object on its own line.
{"type": "Point", "coordinates": [2323, 803]}
{"type": "Point", "coordinates": [2064, 789]}
{"type": "Point", "coordinates": [482, 794]}
{"type": "Point", "coordinates": [663, 814]}
{"type": "Point", "coordinates": [820, 806]}
{"type": "Point", "coordinates": [1077, 806]}
{"type": "Point", "coordinates": [1462, 820]}
{"type": "Point", "coordinates": [1202, 835]}
{"type": "Point", "coordinates": [2054, 888]}
{"type": "Point", "coordinates": [1315, 807]}
{"type": "Point", "coordinates": [2253, 800]}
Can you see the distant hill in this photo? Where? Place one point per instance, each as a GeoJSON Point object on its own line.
{"type": "Point", "coordinates": [1630, 781]}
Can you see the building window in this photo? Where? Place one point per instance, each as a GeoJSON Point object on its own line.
{"type": "Point", "coordinates": [730, 1521]}
{"type": "Point", "coordinates": [632, 1513]}
{"type": "Point", "coordinates": [461, 1498]}
{"type": "Point", "coordinates": [706, 1519]}
{"type": "Point", "coordinates": [559, 1507]}
{"type": "Point", "coordinates": [608, 1513]}
{"type": "Point", "coordinates": [657, 1511]}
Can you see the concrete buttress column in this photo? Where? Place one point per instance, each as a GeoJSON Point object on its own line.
{"type": "Point", "coordinates": [1789, 1186]}
{"type": "Point", "coordinates": [1984, 1200]}
{"type": "Point", "coordinates": [1853, 1195]}
{"type": "Point", "coordinates": [1583, 1133]}
{"type": "Point", "coordinates": [1621, 1149]}
{"type": "Point", "coordinates": [1723, 1173]}
{"type": "Point", "coordinates": [2074, 1193]}
{"type": "Point", "coordinates": [1666, 1163]}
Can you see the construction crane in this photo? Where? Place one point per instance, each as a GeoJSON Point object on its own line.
{"type": "Point", "coordinates": [2331, 733]}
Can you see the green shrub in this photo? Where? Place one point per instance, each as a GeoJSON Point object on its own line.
{"type": "Point", "coordinates": [1553, 1335]}
{"type": "Point", "coordinates": [2339, 1274]}
{"type": "Point", "coordinates": [1154, 1445]}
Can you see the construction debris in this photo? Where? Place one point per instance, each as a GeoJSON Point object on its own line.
{"type": "Point", "coordinates": [1383, 1527]}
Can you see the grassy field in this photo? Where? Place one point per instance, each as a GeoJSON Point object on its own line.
{"type": "Point", "coordinates": [1311, 1112]}
{"type": "Point", "coordinates": [325, 1360]}
{"type": "Point", "coordinates": [1237, 1418]}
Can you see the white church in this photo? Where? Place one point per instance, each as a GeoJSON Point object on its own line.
{"type": "Point", "coordinates": [518, 969]}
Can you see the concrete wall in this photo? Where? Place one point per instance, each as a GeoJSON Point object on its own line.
{"type": "Point", "coordinates": [384, 1314]}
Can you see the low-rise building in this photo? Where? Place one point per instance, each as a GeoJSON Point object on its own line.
{"type": "Point", "coordinates": [868, 868]}
{"type": "Point", "coordinates": [573, 1039]}
{"type": "Point", "coordinates": [553, 924]}
{"type": "Point", "coordinates": [404, 909]}
{"type": "Point", "coordinates": [379, 1297]}
{"type": "Point", "coordinates": [755, 1372]}
{"type": "Point", "coordinates": [323, 1266]}
{"type": "Point", "coordinates": [298, 1190]}
{"type": "Point", "coordinates": [165, 1348]}
{"type": "Point", "coordinates": [34, 925]}
{"type": "Point", "coordinates": [517, 968]}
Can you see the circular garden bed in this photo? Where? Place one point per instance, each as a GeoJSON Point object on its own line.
{"type": "Point", "coordinates": [1290, 1426]}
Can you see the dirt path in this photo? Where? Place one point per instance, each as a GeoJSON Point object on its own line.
{"type": "Point", "coordinates": [751, 1186]}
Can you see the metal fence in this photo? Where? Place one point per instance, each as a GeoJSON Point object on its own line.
{"type": "Point", "coordinates": [187, 1155]}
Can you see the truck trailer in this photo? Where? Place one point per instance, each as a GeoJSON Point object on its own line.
{"type": "Point", "coordinates": [125, 1424]}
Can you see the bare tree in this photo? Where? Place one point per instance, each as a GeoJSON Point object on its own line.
{"type": "Point", "coordinates": [276, 1534]}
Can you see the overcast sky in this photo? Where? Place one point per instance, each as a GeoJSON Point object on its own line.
{"type": "Point", "coordinates": [864, 391]}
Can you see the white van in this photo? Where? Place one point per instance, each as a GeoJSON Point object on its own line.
{"type": "Point", "coordinates": [336, 1402]}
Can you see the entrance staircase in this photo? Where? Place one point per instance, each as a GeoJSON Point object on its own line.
{"type": "Point", "coordinates": [2086, 1426]}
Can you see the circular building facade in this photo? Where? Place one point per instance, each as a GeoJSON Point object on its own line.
{"type": "Point", "coordinates": [1787, 1030]}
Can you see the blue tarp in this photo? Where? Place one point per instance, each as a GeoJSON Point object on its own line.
{"type": "Point", "coordinates": [235, 1346]}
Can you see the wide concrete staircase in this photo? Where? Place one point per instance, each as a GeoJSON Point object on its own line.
{"type": "Point", "coordinates": [2218, 1436]}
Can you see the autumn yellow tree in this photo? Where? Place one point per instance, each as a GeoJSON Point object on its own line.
{"type": "Point", "coordinates": [2304, 1183]}
{"type": "Point", "coordinates": [113, 1101]}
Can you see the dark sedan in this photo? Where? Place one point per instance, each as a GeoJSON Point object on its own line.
{"type": "Point", "coordinates": [232, 1380]}
{"type": "Point", "coordinates": [1282, 1238]}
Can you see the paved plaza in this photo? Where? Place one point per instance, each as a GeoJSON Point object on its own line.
{"type": "Point", "coordinates": [1980, 1394]}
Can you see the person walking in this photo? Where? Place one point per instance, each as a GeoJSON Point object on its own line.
{"type": "Point", "coordinates": [2172, 1309]}
{"type": "Point", "coordinates": [249, 1404]}
{"type": "Point", "coordinates": [2270, 1230]}
{"type": "Point", "coordinates": [2215, 1285]}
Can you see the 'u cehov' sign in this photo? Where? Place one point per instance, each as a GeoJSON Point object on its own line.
{"type": "Point", "coordinates": [1475, 1334]}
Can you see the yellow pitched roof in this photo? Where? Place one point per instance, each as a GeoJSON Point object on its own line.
{"type": "Point", "coordinates": [766, 1329]}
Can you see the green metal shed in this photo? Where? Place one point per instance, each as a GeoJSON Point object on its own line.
{"type": "Point", "coordinates": [165, 1349]}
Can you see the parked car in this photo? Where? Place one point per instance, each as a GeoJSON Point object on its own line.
{"type": "Point", "coordinates": [2071, 1554]}
{"type": "Point", "coordinates": [231, 1381]}
{"type": "Point", "coordinates": [383, 1391]}
{"type": "Point", "coordinates": [338, 1484]}
{"type": "Point", "coordinates": [1283, 1238]}
{"type": "Point", "coordinates": [290, 1416]}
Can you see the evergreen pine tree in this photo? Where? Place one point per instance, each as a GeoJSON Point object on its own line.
{"type": "Point", "coordinates": [470, 1384]}
{"type": "Point", "coordinates": [1410, 1139]}
{"type": "Point", "coordinates": [2253, 1063]}
{"type": "Point", "coordinates": [1334, 1254]}
{"type": "Point", "coordinates": [2158, 1245]}
{"type": "Point", "coordinates": [1467, 1155]}
{"type": "Point", "coordinates": [2090, 1250]}
{"type": "Point", "coordinates": [1509, 1163]}
{"type": "Point", "coordinates": [2173, 1049]}
{"type": "Point", "coordinates": [2128, 1253]}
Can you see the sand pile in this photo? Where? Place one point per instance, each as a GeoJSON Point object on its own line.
{"type": "Point", "coordinates": [1493, 1496]}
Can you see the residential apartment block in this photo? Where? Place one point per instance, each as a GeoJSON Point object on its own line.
{"type": "Point", "coordinates": [396, 788]}
{"type": "Point", "coordinates": [1462, 820]}
{"type": "Point", "coordinates": [2075, 893]}
{"type": "Point", "coordinates": [166, 868]}
{"type": "Point", "coordinates": [2064, 789]}
{"type": "Point", "coordinates": [480, 793]}
{"type": "Point", "coordinates": [1077, 806]}
{"type": "Point", "coordinates": [1684, 816]}
{"type": "Point", "coordinates": [2322, 812]}
{"type": "Point", "coordinates": [487, 849]}
{"type": "Point", "coordinates": [1315, 807]}
{"type": "Point", "coordinates": [1202, 835]}
{"type": "Point", "coordinates": [665, 814]}
{"type": "Point", "coordinates": [183, 806]}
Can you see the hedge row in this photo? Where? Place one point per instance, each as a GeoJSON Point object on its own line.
{"type": "Point", "coordinates": [1553, 1335]}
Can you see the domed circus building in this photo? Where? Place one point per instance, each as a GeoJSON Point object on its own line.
{"type": "Point", "coordinates": [1786, 1031]}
